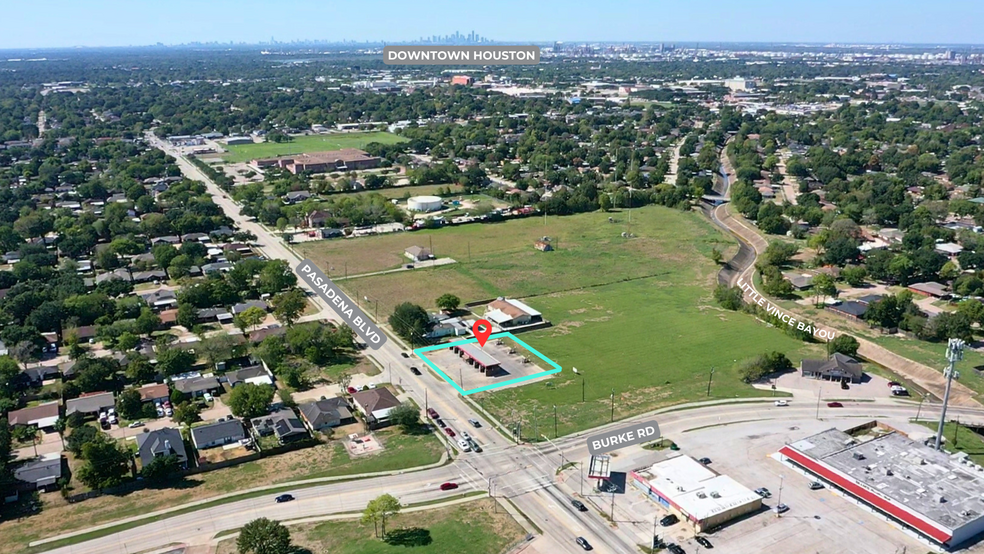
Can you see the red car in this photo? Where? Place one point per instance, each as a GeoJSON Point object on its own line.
{"type": "Point", "coordinates": [894, 384]}
{"type": "Point", "coordinates": [449, 431]}
{"type": "Point", "coordinates": [448, 486]}
{"type": "Point", "coordinates": [433, 413]}
{"type": "Point", "coordinates": [834, 405]}
{"type": "Point", "coordinates": [352, 390]}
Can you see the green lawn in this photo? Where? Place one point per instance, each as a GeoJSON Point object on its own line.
{"type": "Point", "coordinates": [631, 313]}
{"type": "Point", "coordinates": [471, 527]}
{"type": "Point", "coordinates": [57, 516]}
{"type": "Point", "coordinates": [309, 143]}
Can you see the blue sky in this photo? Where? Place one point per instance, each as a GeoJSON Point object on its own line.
{"type": "Point", "coordinates": [58, 23]}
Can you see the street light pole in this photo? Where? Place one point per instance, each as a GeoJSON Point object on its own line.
{"type": "Point", "coordinates": [779, 499]}
{"type": "Point", "coordinates": [819, 393]}
{"type": "Point", "coordinates": [555, 424]}
{"type": "Point", "coordinates": [613, 405]}
{"type": "Point", "coordinates": [709, 379]}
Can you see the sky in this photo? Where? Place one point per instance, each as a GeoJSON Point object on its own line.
{"type": "Point", "coordinates": [69, 23]}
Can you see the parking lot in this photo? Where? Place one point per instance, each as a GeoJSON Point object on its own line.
{"type": "Point", "coordinates": [511, 365]}
{"type": "Point", "coordinates": [818, 521]}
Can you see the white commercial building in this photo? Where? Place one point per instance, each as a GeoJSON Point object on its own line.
{"type": "Point", "coordinates": [695, 492]}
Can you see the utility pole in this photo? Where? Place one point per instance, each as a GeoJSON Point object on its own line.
{"type": "Point", "coordinates": [582, 389]}
{"type": "Point", "coordinates": [819, 392]}
{"type": "Point", "coordinates": [581, 465]}
{"type": "Point", "coordinates": [555, 424]}
{"type": "Point", "coordinates": [613, 505]}
{"type": "Point", "coordinates": [613, 405]}
{"type": "Point", "coordinates": [922, 398]}
{"type": "Point", "coordinates": [954, 353]}
{"type": "Point", "coordinates": [709, 379]}
{"type": "Point", "coordinates": [536, 428]}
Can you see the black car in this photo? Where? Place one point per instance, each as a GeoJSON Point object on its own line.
{"type": "Point", "coordinates": [669, 520]}
{"type": "Point", "coordinates": [675, 548]}
{"type": "Point", "coordinates": [704, 542]}
{"type": "Point", "coordinates": [816, 485]}
{"type": "Point", "coordinates": [404, 354]}
{"type": "Point", "coordinates": [440, 422]}
{"type": "Point", "coordinates": [415, 371]}
{"type": "Point", "coordinates": [579, 505]}
{"type": "Point", "coordinates": [705, 461]}
{"type": "Point", "coordinates": [584, 543]}
{"type": "Point", "coordinates": [844, 385]}
{"type": "Point", "coordinates": [284, 498]}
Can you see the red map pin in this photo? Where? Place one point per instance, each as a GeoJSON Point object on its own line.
{"type": "Point", "coordinates": [482, 329]}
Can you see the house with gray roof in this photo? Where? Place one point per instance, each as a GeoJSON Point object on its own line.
{"type": "Point", "coordinates": [42, 473]}
{"type": "Point", "coordinates": [839, 367]}
{"type": "Point", "coordinates": [327, 412]}
{"type": "Point", "coordinates": [218, 433]}
{"type": "Point", "coordinates": [159, 443]}
{"type": "Point", "coordinates": [197, 386]}
{"type": "Point", "coordinates": [90, 404]}
{"type": "Point", "coordinates": [243, 306]}
{"type": "Point", "coordinates": [283, 423]}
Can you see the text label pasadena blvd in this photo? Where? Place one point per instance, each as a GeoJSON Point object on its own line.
{"type": "Point", "coordinates": [636, 433]}
{"type": "Point", "coordinates": [351, 314]}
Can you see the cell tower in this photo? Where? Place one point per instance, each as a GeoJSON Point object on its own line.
{"type": "Point", "coordinates": [954, 353]}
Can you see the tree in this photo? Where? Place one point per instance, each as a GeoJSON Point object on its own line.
{"type": "Point", "coordinates": [263, 536]}
{"type": "Point", "coordinates": [779, 253]}
{"type": "Point", "coordinates": [288, 306]}
{"type": "Point", "coordinates": [823, 286]}
{"type": "Point", "coordinates": [186, 413]}
{"type": "Point", "coordinates": [854, 275]}
{"type": "Point", "coordinates": [129, 404]}
{"type": "Point", "coordinates": [604, 202]}
{"type": "Point", "coordinates": [172, 361]}
{"type": "Point", "coordinates": [407, 416]}
{"type": "Point", "coordinates": [378, 509]}
{"type": "Point", "coordinates": [218, 348]}
{"type": "Point", "coordinates": [161, 468]}
{"type": "Point", "coordinates": [250, 317]}
{"type": "Point", "coordinates": [845, 344]}
{"type": "Point", "coordinates": [410, 321]}
{"type": "Point", "coordinates": [187, 315]}
{"type": "Point", "coordinates": [716, 256]}
{"type": "Point", "coordinates": [248, 400]}
{"type": "Point", "coordinates": [81, 435]}
{"type": "Point", "coordinates": [448, 302]}
{"type": "Point", "coordinates": [127, 341]}
{"type": "Point", "coordinates": [730, 298]}
{"type": "Point", "coordinates": [106, 464]}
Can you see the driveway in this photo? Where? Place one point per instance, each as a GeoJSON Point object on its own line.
{"type": "Point", "coordinates": [808, 388]}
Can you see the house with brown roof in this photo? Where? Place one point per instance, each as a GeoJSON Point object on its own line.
{"type": "Point", "coordinates": [507, 312]}
{"type": "Point", "coordinates": [346, 159]}
{"type": "Point", "coordinates": [317, 218]}
{"type": "Point", "coordinates": [375, 405]}
{"type": "Point", "coordinates": [418, 254]}
{"type": "Point", "coordinates": [154, 391]}
{"type": "Point", "coordinates": [42, 416]}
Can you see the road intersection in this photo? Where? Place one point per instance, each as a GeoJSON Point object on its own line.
{"type": "Point", "coordinates": [528, 476]}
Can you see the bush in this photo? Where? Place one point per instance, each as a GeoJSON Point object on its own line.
{"type": "Point", "coordinates": [728, 298]}
{"type": "Point", "coordinates": [766, 364]}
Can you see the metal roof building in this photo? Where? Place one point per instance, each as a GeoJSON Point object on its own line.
{"type": "Point", "coordinates": [925, 492]}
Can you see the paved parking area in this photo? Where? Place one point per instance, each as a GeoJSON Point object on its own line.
{"type": "Point", "coordinates": [817, 521]}
{"type": "Point", "coordinates": [511, 365]}
{"type": "Point", "coordinates": [872, 386]}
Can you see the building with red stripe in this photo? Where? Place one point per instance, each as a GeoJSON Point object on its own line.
{"type": "Point", "coordinates": [918, 489]}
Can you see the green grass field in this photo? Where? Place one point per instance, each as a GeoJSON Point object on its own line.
{"type": "Point", "coordinates": [966, 439]}
{"type": "Point", "coordinates": [471, 527]}
{"type": "Point", "coordinates": [631, 313]}
{"type": "Point", "coordinates": [308, 143]}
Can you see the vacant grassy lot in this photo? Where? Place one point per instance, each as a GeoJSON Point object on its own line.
{"type": "Point", "coordinates": [499, 258]}
{"type": "Point", "coordinates": [469, 527]}
{"type": "Point", "coordinates": [310, 143]}
{"type": "Point", "coordinates": [57, 516]}
{"type": "Point", "coordinates": [653, 341]}
{"type": "Point", "coordinates": [633, 313]}
{"type": "Point", "coordinates": [404, 192]}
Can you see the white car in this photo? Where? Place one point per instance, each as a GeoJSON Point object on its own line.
{"type": "Point", "coordinates": [372, 385]}
{"type": "Point", "coordinates": [168, 412]}
{"type": "Point", "coordinates": [207, 396]}
{"type": "Point", "coordinates": [135, 424]}
{"type": "Point", "coordinates": [464, 435]}
{"type": "Point", "coordinates": [782, 403]}
{"type": "Point", "coordinates": [465, 447]}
